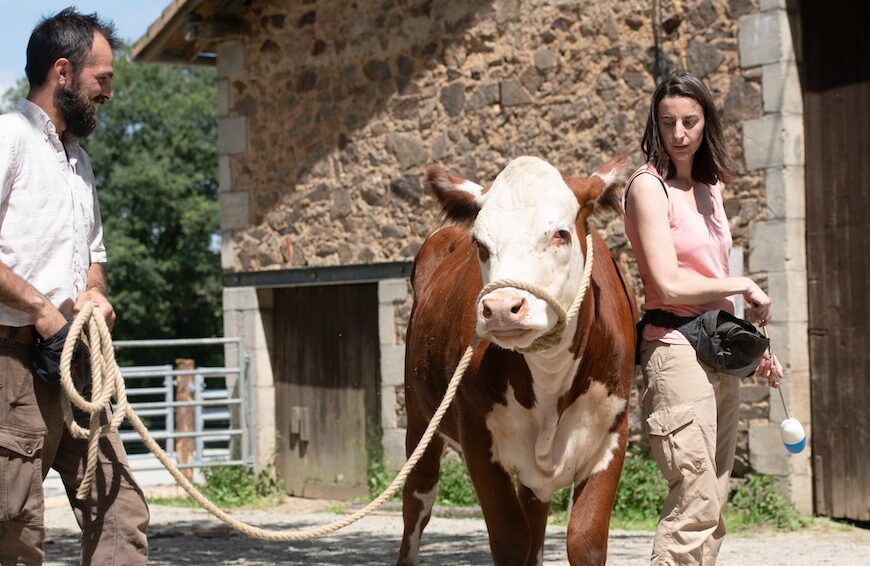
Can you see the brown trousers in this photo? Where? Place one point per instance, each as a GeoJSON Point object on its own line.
{"type": "Point", "coordinates": [34, 439]}
{"type": "Point", "coordinates": [691, 413]}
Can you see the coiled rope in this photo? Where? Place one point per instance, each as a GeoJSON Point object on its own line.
{"type": "Point", "coordinates": [107, 382]}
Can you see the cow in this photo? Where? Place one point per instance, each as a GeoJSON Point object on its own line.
{"type": "Point", "coordinates": [528, 421]}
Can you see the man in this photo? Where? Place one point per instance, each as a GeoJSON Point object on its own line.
{"type": "Point", "coordinates": [51, 249]}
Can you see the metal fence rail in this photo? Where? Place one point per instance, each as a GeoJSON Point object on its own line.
{"type": "Point", "coordinates": [219, 396]}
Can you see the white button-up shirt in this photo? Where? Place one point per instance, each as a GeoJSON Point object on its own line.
{"type": "Point", "coordinates": [50, 226]}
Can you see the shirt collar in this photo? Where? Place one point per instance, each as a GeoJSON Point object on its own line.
{"type": "Point", "coordinates": [40, 120]}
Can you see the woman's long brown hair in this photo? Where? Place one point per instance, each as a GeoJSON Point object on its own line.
{"type": "Point", "coordinates": [712, 162]}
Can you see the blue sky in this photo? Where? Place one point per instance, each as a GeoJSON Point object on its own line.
{"type": "Point", "coordinates": [131, 17]}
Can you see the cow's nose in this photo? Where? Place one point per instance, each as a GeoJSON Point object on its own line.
{"type": "Point", "coordinates": [504, 309]}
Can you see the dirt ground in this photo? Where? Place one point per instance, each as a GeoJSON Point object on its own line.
{"type": "Point", "coordinates": [192, 536]}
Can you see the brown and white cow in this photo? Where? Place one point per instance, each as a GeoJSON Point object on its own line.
{"type": "Point", "coordinates": [528, 424]}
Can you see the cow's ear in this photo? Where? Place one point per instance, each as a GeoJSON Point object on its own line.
{"type": "Point", "coordinates": [603, 190]}
{"type": "Point", "coordinates": [459, 198]}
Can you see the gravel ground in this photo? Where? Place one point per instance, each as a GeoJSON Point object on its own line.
{"type": "Point", "coordinates": [192, 536]}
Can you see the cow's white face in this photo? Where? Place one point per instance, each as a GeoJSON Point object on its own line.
{"type": "Point", "coordinates": [526, 230]}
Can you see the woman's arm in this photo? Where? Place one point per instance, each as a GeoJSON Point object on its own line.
{"type": "Point", "coordinates": [647, 207]}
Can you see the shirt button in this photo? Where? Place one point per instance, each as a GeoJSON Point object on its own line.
{"type": "Point", "coordinates": [28, 448]}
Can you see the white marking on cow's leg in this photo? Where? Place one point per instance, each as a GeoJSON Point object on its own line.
{"type": "Point", "coordinates": [428, 501]}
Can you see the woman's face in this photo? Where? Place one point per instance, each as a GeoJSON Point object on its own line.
{"type": "Point", "coordinates": [681, 123]}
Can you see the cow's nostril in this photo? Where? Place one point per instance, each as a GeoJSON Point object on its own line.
{"type": "Point", "coordinates": [518, 307]}
{"type": "Point", "coordinates": [487, 312]}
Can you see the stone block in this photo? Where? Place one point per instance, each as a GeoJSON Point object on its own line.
{"type": "Point", "coordinates": [773, 140]}
{"type": "Point", "coordinates": [225, 179]}
{"type": "Point", "coordinates": [408, 149]}
{"type": "Point", "coordinates": [232, 135]}
{"type": "Point", "coordinates": [769, 5]}
{"type": "Point", "coordinates": [393, 442]}
{"type": "Point", "coordinates": [392, 290]}
{"type": "Point", "coordinates": [453, 98]}
{"type": "Point", "coordinates": [234, 213]}
{"type": "Point", "coordinates": [223, 97]}
{"type": "Point", "coordinates": [777, 245]}
{"type": "Point", "coordinates": [386, 324]}
{"type": "Point", "coordinates": [388, 408]}
{"type": "Point", "coordinates": [781, 87]}
{"type": "Point", "coordinates": [786, 192]}
{"type": "Point", "coordinates": [240, 298]}
{"type": "Point", "coordinates": [788, 290]}
{"type": "Point", "coordinates": [513, 93]}
{"type": "Point", "coordinates": [544, 59]}
{"type": "Point", "coordinates": [230, 60]}
{"type": "Point", "coordinates": [759, 39]}
{"type": "Point", "coordinates": [702, 58]}
{"type": "Point", "coordinates": [228, 254]}
{"type": "Point", "coordinates": [767, 455]}
{"type": "Point", "coordinates": [392, 365]}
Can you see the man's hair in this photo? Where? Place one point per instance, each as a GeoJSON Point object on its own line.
{"type": "Point", "coordinates": [712, 162]}
{"type": "Point", "coordinates": [68, 34]}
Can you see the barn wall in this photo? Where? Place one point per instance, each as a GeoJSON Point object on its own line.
{"type": "Point", "coordinates": [330, 112]}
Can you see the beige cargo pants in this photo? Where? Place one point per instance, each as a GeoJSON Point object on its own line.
{"type": "Point", "coordinates": [34, 439]}
{"type": "Point", "coordinates": [691, 413]}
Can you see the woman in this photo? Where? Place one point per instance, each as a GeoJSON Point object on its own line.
{"type": "Point", "coordinates": [677, 226]}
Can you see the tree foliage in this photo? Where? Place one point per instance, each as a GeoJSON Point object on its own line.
{"type": "Point", "coordinates": [154, 154]}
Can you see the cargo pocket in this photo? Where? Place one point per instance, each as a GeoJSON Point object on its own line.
{"type": "Point", "coordinates": [676, 442]}
{"type": "Point", "coordinates": [21, 496]}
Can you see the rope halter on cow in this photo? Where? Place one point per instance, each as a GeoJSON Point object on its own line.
{"type": "Point", "coordinates": [106, 382]}
{"type": "Point", "coordinates": [553, 336]}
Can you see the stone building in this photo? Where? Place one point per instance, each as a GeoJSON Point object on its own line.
{"type": "Point", "coordinates": [329, 112]}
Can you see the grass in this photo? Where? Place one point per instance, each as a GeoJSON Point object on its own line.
{"type": "Point", "coordinates": [231, 487]}
{"type": "Point", "coordinates": [754, 503]}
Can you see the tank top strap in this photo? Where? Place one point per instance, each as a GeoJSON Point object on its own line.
{"type": "Point", "coordinates": [650, 170]}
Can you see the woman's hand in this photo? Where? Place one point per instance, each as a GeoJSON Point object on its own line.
{"type": "Point", "coordinates": [759, 304]}
{"type": "Point", "coordinates": [770, 369]}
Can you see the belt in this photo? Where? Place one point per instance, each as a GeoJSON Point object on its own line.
{"type": "Point", "coordinates": [18, 334]}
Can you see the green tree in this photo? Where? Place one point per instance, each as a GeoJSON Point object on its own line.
{"type": "Point", "coordinates": [154, 154]}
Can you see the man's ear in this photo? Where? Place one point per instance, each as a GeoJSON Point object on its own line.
{"type": "Point", "coordinates": [63, 71]}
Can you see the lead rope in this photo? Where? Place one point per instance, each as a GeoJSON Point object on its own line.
{"type": "Point", "coordinates": [106, 382]}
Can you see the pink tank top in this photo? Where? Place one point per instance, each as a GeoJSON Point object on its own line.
{"type": "Point", "coordinates": [702, 244]}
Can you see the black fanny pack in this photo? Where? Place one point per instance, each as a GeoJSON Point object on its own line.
{"type": "Point", "coordinates": [722, 341]}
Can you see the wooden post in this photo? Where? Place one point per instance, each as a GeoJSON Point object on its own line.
{"type": "Point", "coordinates": [184, 385]}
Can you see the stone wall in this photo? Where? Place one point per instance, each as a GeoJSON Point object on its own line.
{"type": "Point", "coordinates": [330, 112]}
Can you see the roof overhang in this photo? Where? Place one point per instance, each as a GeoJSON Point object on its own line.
{"type": "Point", "coordinates": [187, 32]}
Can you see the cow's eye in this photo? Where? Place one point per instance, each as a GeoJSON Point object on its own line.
{"type": "Point", "coordinates": [562, 236]}
{"type": "Point", "coordinates": [482, 252]}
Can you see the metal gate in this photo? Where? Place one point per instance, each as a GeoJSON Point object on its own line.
{"type": "Point", "coordinates": [222, 427]}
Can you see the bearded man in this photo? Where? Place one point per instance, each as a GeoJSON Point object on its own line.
{"type": "Point", "coordinates": [51, 250]}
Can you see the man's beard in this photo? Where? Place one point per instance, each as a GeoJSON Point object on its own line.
{"type": "Point", "coordinates": [79, 112]}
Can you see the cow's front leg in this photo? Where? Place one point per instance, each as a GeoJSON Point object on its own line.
{"type": "Point", "coordinates": [421, 486]}
{"type": "Point", "coordinates": [589, 523]}
{"type": "Point", "coordinates": [536, 512]}
{"type": "Point", "coordinates": [510, 539]}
